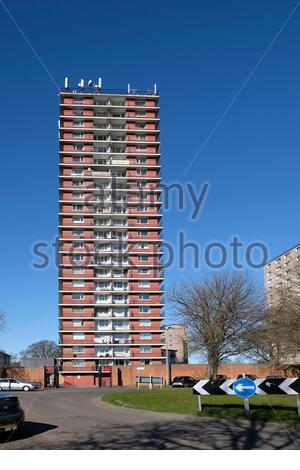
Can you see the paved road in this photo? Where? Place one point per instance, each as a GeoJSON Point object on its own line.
{"type": "Point", "coordinates": [77, 419]}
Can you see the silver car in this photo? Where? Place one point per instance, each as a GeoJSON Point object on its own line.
{"type": "Point", "coordinates": [11, 384]}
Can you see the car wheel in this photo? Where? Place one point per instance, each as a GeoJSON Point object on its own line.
{"type": "Point", "coordinates": [26, 388]}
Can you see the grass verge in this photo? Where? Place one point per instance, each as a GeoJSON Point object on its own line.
{"type": "Point", "coordinates": [274, 408]}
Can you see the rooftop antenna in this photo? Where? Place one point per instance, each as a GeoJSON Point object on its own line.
{"type": "Point", "coordinates": [90, 83]}
{"type": "Point", "coordinates": [128, 88]}
{"type": "Point", "coordinates": [155, 88]}
{"type": "Point", "coordinates": [99, 85]}
{"type": "Point", "coordinates": [81, 83]}
{"type": "Point", "coordinates": [66, 82]}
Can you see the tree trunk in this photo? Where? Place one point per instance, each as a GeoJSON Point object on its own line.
{"type": "Point", "coordinates": [212, 365]}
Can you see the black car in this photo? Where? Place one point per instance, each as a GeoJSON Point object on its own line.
{"type": "Point", "coordinates": [219, 377]}
{"type": "Point", "coordinates": [11, 414]}
{"type": "Point", "coordinates": [183, 381]}
{"type": "Point", "coordinates": [247, 376]}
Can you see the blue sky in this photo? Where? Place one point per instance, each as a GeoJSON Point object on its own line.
{"type": "Point", "coordinates": [199, 53]}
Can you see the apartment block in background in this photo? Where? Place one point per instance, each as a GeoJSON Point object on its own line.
{"type": "Point", "coordinates": [174, 340]}
{"type": "Point", "coordinates": [109, 231]}
{"type": "Point", "coordinates": [282, 272]}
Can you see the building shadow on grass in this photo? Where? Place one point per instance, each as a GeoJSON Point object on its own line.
{"type": "Point", "coordinates": [192, 434]}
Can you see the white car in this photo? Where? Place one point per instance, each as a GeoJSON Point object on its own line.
{"type": "Point", "coordinates": [11, 384]}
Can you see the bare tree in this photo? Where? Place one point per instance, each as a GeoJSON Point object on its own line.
{"type": "Point", "coordinates": [278, 340]}
{"type": "Point", "coordinates": [41, 349]}
{"type": "Point", "coordinates": [221, 314]}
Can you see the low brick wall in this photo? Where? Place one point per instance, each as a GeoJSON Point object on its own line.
{"type": "Point", "coordinates": [125, 375]}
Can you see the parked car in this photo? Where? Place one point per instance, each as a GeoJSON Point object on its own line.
{"type": "Point", "coordinates": [248, 376]}
{"type": "Point", "coordinates": [11, 414]}
{"type": "Point", "coordinates": [16, 385]}
{"type": "Point", "coordinates": [183, 381]}
{"type": "Point", "coordinates": [271, 377]}
{"type": "Point", "coordinates": [219, 377]}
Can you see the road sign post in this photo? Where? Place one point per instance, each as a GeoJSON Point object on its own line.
{"type": "Point", "coordinates": [199, 403]}
{"type": "Point", "coordinates": [246, 406]}
{"type": "Point", "coordinates": [245, 388]}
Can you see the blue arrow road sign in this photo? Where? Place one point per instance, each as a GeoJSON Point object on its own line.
{"type": "Point", "coordinates": [244, 388]}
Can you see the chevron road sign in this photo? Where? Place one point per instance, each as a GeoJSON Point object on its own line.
{"type": "Point", "coordinates": [245, 388]}
{"type": "Point", "coordinates": [288, 386]}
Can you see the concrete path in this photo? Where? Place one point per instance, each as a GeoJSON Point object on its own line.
{"type": "Point", "coordinates": [77, 419]}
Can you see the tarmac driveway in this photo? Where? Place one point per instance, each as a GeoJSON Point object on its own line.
{"type": "Point", "coordinates": [75, 418]}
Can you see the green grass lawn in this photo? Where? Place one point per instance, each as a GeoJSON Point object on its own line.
{"type": "Point", "coordinates": [262, 407]}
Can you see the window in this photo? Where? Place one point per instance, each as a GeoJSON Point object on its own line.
{"type": "Point", "coordinates": [141, 148]}
{"type": "Point", "coordinates": [103, 298]}
{"type": "Point", "coordinates": [77, 296]}
{"type": "Point", "coordinates": [144, 310]}
{"type": "Point", "coordinates": [141, 160]}
{"type": "Point", "coordinates": [141, 172]}
{"type": "Point", "coordinates": [144, 283]}
{"type": "Point", "coordinates": [77, 159]}
{"type": "Point", "coordinates": [78, 123]}
{"type": "Point", "coordinates": [77, 257]}
{"type": "Point", "coordinates": [143, 246]}
{"type": "Point", "coordinates": [145, 322]}
{"type": "Point", "coordinates": [77, 207]}
{"type": "Point", "coordinates": [77, 171]}
{"type": "Point", "coordinates": [103, 285]}
{"type": "Point", "coordinates": [145, 335]}
{"type": "Point", "coordinates": [78, 349]}
{"type": "Point", "coordinates": [78, 323]}
{"type": "Point", "coordinates": [78, 271]}
{"type": "Point", "coordinates": [78, 362]}
{"type": "Point", "coordinates": [142, 184]}
{"type": "Point", "coordinates": [78, 135]}
{"type": "Point", "coordinates": [78, 148]}
{"type": "Point", "coordinates": [120, 312]}
{"type": "Point", "coordinates": [146, 362]}
{"type": "Point", "coordinates": [143, 271]}
{"type": "Point", "coordinates": [77, 310]}
{"type": "Point", "coordinates": [145, 349]}
{"type": "Point", "coordinates": [143, 258]}
{"type": "Point", "coordinates": [77, 233]}
{"type": "Point", "coordinates": [78, 335]}
{"type": "Point", "coordinates": [142, 220]}
{"type": "Point", "coordinates": [78, 220]}
{"type": "Point", "coordinates": [143, 233]}
{"type": "Point", "coordinates": [78, 99]}
{"type": "Point", "coordinates": [78, 195]}
{"type": "Point", "coordinates": [120, 285]}
{"type": "Point", "coordinates": [117, 272]}
{"type": "Point", "coordinates": [78, 283]}
{"type": "Point", "coordinates": [141, 208]}
{"type": "Point", "coordinates": [78, 245]}
{"type": "Point", "coordinates": [144, 296]}
{"type": "Point", "coordinates": [77, 183]}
